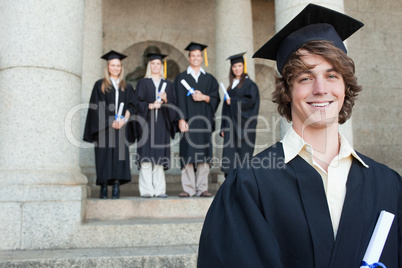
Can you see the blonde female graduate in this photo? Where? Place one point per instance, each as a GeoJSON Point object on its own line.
{"type": "Point", "coordinates": [157, 114]}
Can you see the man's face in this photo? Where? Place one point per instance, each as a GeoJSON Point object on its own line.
{"type": "Point", "coordinates": [317, 94]}
{"type": "Point", "coordinates": [195, 58]}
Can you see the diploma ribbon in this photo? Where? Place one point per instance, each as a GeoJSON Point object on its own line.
{"type": "Point", "coordinates": [190, 92]}
{"type": "Point", "coordinates": [117, 117]}
{"type": "Point", "coordinates": [374, 265]}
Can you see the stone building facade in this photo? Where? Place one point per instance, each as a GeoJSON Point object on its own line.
{"type": "Point", "coordinates": [50, 58]}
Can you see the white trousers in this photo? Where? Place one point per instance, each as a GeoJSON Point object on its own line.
{"type": "Point", "coordinates": [195, 183]}
{"type": "Point", "coordinates": [152, 179]}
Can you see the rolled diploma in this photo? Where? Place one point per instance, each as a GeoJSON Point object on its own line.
{"type": "Point", "coordinates": [162, 90]}
{"type": "Point", "coordinates": [378, 237]}
{"type": "Point", "coordinates": [120, 111]}
{"type": "Point", "coordinates": [187, 86]}
{"type": "Point", "coordinates": [224, 91]}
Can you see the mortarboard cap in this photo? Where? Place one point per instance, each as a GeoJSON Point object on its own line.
{"type": "Point", "coordinates": [154, 56]}
{"type": "Point", "coordinates": [113, 55]}
{"type": "Point", "coordinates": [193, 46]}
{"type": "Point", "coordinates": [236, 58]}
{"type": "Point", "coordinates": [313, 23]}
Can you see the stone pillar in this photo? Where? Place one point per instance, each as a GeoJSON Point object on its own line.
{"type": "Point", "coordinates": [233, 34]}
{"type": "Point", "coordinates": [41, 187]}
{"type": "Point", "coordinates": [286, 11]}
{"type": "Point", "coordinates": [92, 70]}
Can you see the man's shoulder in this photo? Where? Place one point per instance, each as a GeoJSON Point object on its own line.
{"type": "Point", "coordinates": [181, 76]}
{"type": "Point", "coordinates": [377, 167]}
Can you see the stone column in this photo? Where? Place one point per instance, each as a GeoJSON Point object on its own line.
{"type": "Point", "coordinates": [233, 34]}
{"type": "Point", "coordinates": [286, 11]}
{"type": "Point", "coordinates": [41, 187]}
{"type": "Point", "coordinates": [92, 70]}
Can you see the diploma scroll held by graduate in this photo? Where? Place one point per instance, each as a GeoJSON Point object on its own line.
{"type": "Point", "coordinates": [318, 202]}
{"type": "Point", "coordinates": [157, 117]}
{"type": "Point", "coordinates": [109, 127]}
{"type": "Point", "coordinates": [239, 116]}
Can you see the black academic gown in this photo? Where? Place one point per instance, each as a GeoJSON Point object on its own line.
{"type": "Point", "coordinates": [277, 216]}
{"type": "Point", "coordinates": [196, 144]}
{"type": "Point", "coordinates": [112, 158]}
{"type": "Point", "coordinates": [239, 121]}
{"type": "Point", "coordinates": [155, 132]}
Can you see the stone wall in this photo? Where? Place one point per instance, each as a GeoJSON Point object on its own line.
{"type": "Point", "coordinates": [377, 53]}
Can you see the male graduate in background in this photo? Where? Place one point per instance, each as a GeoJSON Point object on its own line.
{"type": "Point", "coordinates": [318, 206]}
{"type": "Point", "coordinates": [196, 120]}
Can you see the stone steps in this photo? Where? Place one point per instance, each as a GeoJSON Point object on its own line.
{"type": "Point", "coordinates": [135, 207]}
{"type": "Point", "coordinates": [127, 232]}
{"type": "Point", "coordinates": [138, 232]}
{"type": "Point", "coordinates": [144, 257]}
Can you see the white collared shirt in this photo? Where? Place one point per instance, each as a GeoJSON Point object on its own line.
{"type": "Point", "coordinates": [192, 72]}
{"type": "Point", "coordinates": [235, 83]}
{"type": "Point", "coordinates": [334, 181]}
{"type": "Point", "coordinates": [116, 87]}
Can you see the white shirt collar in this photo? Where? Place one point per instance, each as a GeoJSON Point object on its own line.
{"type": "Point", "coordinates": [190, 70]}
{"type": "Point", "coordinates": [293, 144]}
{"type": "Point", "coordinates": [193, 74]}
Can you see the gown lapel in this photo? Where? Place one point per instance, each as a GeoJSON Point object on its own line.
{"type": "Point", "coordinates": [348, 240]}
{"type": "Point", "coordinates": [316, 210]}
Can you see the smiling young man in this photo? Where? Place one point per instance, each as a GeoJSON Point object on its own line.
{"type": "Point", "coordinates": [318, 205]}
{"type": "Point", "coordinates": [196, 122]}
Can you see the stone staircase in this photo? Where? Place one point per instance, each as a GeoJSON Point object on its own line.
{"type": "Point", "coordinates": [128, 232]}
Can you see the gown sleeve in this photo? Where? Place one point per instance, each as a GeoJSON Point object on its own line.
{"type": "Point", "coordinates": [97, 116]}
{"type": "Point", "coordinates": [181, 94]}
{"type": "Point", "coordinates": [235, 231]}
{"type": "Point", "coordinates": [214, 96]}
{"type": "Point", "coordinates": [132, 108]}
{"type": "Point", "coordinates": [170, 110]}
{"type": "Point", "coordinates": [249, 107]}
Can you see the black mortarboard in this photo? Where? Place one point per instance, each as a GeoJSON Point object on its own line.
{"type": "Point", "coordinates": [154, 56]}
{"type": "Point", "coordinates": [236, 58]}
{"type": "Point", "coordinates": [311, 24]}
{"type": "Point", "coordinates": [113, 55]}
{"type": "Point", "coordinates": [193, 46]}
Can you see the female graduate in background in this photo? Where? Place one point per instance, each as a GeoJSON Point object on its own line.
{"type": "Point", "coordinates": [107, 129]}
{"type": "Point", "coordinates": [156, 115]}
{"type": "Point", "coordinates": [239, 114]}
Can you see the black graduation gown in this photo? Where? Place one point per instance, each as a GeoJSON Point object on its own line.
{"type": "Point", "coordinates": [196, 144]}
{"type": "Point", "coordinates": [112, 158]}
{"type": "Point", "coordinates": [239, 121]}
{"type": "Point", "coordinates": [154, 135]}
{"type": "Point", "coordinates": [277, 216]}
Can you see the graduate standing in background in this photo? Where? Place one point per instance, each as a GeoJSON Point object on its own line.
{"type": "Point", "coordinates": [197, 121]}
{"type": "Point", "coordinates": [239, 116]}
{"type": "Point", "coordinates": [107, 125]}
{"type": "Point", "coordinates": [157, 127]}
{"type": "Point", "coordinates": [309, 200]}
